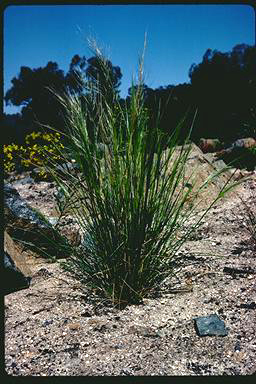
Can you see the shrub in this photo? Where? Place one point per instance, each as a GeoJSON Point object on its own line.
{"type": "Point", "coordinates": [129, 202]}
{"type": "Point", "coordinates": [38, 146]}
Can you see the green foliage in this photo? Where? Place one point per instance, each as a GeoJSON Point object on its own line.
{"type": "Point", "coordinates": [128, 200]}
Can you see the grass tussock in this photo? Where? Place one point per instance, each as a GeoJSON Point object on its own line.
{"type": "Point", "coordinates": [129, 203]}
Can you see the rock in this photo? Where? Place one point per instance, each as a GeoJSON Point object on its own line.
{"type": "Point", "coordinates": [248, 142]}
{"type": "Point", "coordinates": [251, 305]}
{"type": "Point", "coordinates": [198, 168]}
{"type": "Point", "coordinates": [210, 326]}
{"type": "Point", "coordinates": [69, 228]}
{"type": "Point", "coordinates": [23, 181]}
{"type": "Point", "coordinates": [210, 145]}
{"type": "Point", "coordinates": [47, 322]}
{"type": "Point", "coordinates": [237, 346]}
{"type": "Point", "coordinates": [217, 163]}
{"type": "Point", "coordinates": [239, 153]}
{"type": "Point", "coordinates": [29, 226]}
{"type": "Point", "coordinates": [16, 275]}
{"type": "Point", "coordinates": [53, 220]}
{"type": "Point", "coordinates": [42, 272]}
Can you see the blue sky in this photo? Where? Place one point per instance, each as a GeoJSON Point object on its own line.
{"type": "Point", "coordinates": [177, 36]}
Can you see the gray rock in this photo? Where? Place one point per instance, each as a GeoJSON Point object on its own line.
{"type": "Point", "coordinates": [18, 212]}
{"type": "Point", "coordinates": [210, 326]}
{"type": "Point", "coordinates": [28, 225]}
{"type": "Point", "coordinates": [53, 220]}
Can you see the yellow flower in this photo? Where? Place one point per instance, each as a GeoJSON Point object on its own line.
{"type": "Point", "coordinates": [34, 135]}
{"type": "Point", "coordinates": [47, 137]}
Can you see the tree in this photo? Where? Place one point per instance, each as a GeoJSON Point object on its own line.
{"type": "Point", "coordinates": [107, 76]}
{"type": "Point", "coordinates": [166, 106]}
{"type": "Point", "coordinates": [224, 90]}
{"type": "Point", "coordinates": [31, 90]}
{"type": "Point", "coordinates": [75, 78]}
{"type": "Point", "coordinates": [13, 128]}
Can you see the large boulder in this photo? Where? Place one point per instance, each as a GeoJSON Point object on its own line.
{"type": "Point", "coordinates": [30, 227]}
{"type": "Point", "coordinates": [16, 275]}
{"type": "Point", "coordinates": [198, 168]}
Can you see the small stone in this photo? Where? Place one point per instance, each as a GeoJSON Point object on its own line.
{"type": "Point", "coordinates": [86, 314]}
{"type": "Point", "coordinates": [161, 333]}
{"type": "Point", "coordinates": [74, 326]}
{"type": "Point", "coordinates": [210, 326]}
{"type": "Point", "coordinates": [251, 305]}
{"type": "Point", "coordinates": [237, 346]}
{"type": "Point", "coordinates": [126, 371]}
{"type": "Point", "coordinates": [47, 322]}
{"type": "Point", "coordinates": [53, 220]}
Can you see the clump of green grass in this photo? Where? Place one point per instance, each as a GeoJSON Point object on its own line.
{"type": "Point", "coordinates": [127, 199]}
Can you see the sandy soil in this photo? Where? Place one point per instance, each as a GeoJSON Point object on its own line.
{"type": "Point", "coordinates": [56, 328]}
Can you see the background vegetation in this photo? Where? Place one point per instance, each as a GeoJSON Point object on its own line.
{"type": "Point", "coordinates": [222, 87]}
{"type": "Point", "coordinates": [33, 153]}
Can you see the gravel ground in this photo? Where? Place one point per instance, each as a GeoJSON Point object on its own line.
{"type": "Point", "coordinates": [56, 328]}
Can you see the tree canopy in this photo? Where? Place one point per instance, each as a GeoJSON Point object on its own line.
{"type": "Point", "coordinates": [222, 88]}
{"type": "Point", "coordinates": [32, 88]}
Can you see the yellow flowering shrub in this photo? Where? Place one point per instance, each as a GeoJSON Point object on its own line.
{"type": "Point", "coordinates": [38, 145]}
